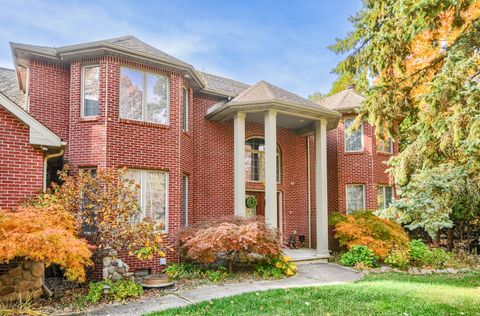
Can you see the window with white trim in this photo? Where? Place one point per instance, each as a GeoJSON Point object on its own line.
{"type": "Point", "coordinates": [384, 196]}
{"type": "Point", "coordinates": [185, 110]}
{"type": "Point", "coordinates": [144, 96]}
{"type": "Point", "coordinates": [90, 90]}
{"type": "Point", "coordinates": [152, 194]}
{"type": "Point", "coordinates": [353, 138]}
{"type": "Point", "coordinates": [385, 146]}
{"type": "Point", "coordinates": [184, 200]}
{"type": "Point", "coordinates": [355, 197]}
{"type": "Point", "coordinates": [255, 160]}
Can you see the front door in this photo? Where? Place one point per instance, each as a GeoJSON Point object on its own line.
{"type": "Point", "coordinates": [259, 210]}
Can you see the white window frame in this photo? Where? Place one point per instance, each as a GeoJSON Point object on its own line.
{"type": "Point", "coordinates": [349, 210]}
{"type": "Point", "coordinates": [381, 145]}
{"type": "Point", "coordinates": [82, 106]}
{"type": "Point", "coordinates": [185, 195]}
{"type": "Point", "coordinates": [143, 185]}
{"type": "Point", "coordinates": [278, 155]}
{"type": "Point", "coordinates": [382, 187]}
{"type": "Point", "coordinates": [185, 106]}
{"type": "Point", "coordinates": [345, 136]}
{"type": "Point", "coordinates": [144, 94]}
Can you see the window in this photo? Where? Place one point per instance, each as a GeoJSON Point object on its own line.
{"type": "Point", "coordinates": [185, 109]}
{"type": "Point", "coordinates": [153, 193]}
{"type": "Point", "coordinates": [255, 160]}
{"type": "Point", "coordinates": [143, 96]}
{"type": "Point", "coordinates": [184, 200]}
{"type": "Point", "coordinates": [90, 90]}
{"type": "Point", "coordinates": [88, 226]}
{"type": "Point", "coordinates": [353, 139]}
{"type": "Point", "coordinates": [385, 146]}
{"type": "Point", "coordinates": [355, 197]}
{"type": "Point", "coordinates": [384, 196]}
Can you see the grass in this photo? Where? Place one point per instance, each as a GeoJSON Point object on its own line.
{"type": "Point", "coordinates": [379, 294]}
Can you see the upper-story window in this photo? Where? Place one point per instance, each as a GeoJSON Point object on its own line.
{"type": "Point", "coordinates": [144, 96]}
{"type": "Point", "coordinates": [255, 160]}
{"type": "Point", "coordinates": [385, 146]}
{"type": "Point", "coordinates": [90, 90]}
{"type": "Point", "coordinates": [353, 139]}
{"type": "Point", "coordinates": [185, 109]}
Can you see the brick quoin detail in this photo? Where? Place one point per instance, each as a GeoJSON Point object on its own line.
{"type": "Point", "coordinates": [21, 165]}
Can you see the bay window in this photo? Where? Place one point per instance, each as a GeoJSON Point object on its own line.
{"type": "Point", "coordinates": [90, 90]}
{"type": "Point", "coordinates": [153, 193]}
{"type": "Point", "coordinates": [144, 96]}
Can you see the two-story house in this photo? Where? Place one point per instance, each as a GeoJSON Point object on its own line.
{"type": "Point", "coordinates": [198, 144]}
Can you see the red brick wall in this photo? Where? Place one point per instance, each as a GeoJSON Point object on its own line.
{"type": "Point", "coordinates": [365, 167]}
{"type": "Point", "coordinates": [21, 165]}
{"type": "Point", "coordinates": [49, 96]}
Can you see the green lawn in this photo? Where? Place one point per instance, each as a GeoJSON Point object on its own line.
{"type": "Point", "coordinates": [381, 294]}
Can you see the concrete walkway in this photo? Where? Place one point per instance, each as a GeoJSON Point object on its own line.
{"type": "Point", "coordinates": [308, 275]}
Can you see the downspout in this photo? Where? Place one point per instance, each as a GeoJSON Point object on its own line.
{"type": "Point", "coordinates": [309, 195]}
{"type": "Point", "coordinates": [45, 165]}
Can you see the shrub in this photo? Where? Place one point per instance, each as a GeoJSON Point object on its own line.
{"type": "Point", "coordinates": [422, 255]}
{"type": "Point", "coordinates": [104, 206]}
{"type": "Point", "coordinates": [364, 228]}
{"type": "Point", "coordinates": [275, 267]}
{"type": "Point", "coordinates": [399, 258]}
{"type": "Point", "coordinates": [358, 254]}
{"type": "Point", "coordinates": [117, 291]}
{"type": "Point", "coordinates": [418, 250]}
{"type": "Point", "coordinates": [47, 234]}
{"type": "Point", "coordinates": [183, 271]}
{"type": "Point", "coordinates": [195, 271]}
{"type": "Point", "coordinates": [228, 238]}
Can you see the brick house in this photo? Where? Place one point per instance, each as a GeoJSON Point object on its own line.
{"type": "Point", "coordinates": [198, 144]}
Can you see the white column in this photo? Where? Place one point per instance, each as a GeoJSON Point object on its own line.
{"type": "Point", "coordinates": [321, 187]}
{"type": "Point", "coordinates": [239, 163]}
{"type": "Point", "coordinates": [271, 168]}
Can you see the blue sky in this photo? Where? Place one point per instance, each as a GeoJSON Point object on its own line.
{"type": "Point", "coordinates": [283, 42]}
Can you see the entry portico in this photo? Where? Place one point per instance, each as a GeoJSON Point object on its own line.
{"type": "Point", "coordinates": [274, 107]}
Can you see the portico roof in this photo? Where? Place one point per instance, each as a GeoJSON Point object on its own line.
{"type": "Point", "coordinates": [264, 96]}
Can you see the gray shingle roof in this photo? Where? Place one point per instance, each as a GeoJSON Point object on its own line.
{"type": "Point", "coordinates": [223, 85]}
{"type": "Point", "coordinates": [344, 100]}
{"type": "Point", "coordinates": [9, 87]}
{"type": "Point", "coordinates": [133, 43]}
{"type": "Point", "coordinates": [265, 91]}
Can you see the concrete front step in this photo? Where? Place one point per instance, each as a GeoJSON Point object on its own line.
{"type": "Point", "coordinates": [305, 256]}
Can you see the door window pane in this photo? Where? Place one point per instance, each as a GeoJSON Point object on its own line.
{"type": "Point", "coordinates": [91, 76]}
{"type": "Point", "coordinates": [184, 201]}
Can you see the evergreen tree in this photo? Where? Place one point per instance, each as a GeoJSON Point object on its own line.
{"type": "Point", "coordinates": [423, 57]}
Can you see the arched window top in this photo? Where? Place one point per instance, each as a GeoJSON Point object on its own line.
{"type": "Point", "coordinates": [255, 160]}
{"type": "Point", "coordinates": [257, 144]}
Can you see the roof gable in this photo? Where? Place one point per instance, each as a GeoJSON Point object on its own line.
{"type": "Point", "coordinates": [40, 135]}
{"type": "Point", "coordinates": [345, 100]}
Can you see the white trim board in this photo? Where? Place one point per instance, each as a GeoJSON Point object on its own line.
{"type": "Point", "coordinates": [39, 134]}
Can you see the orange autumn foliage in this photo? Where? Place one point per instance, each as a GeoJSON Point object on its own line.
{"type": "Point", "coordinates": [46, 234]}
{"type": "Point", "coordinates": [364, 228]}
